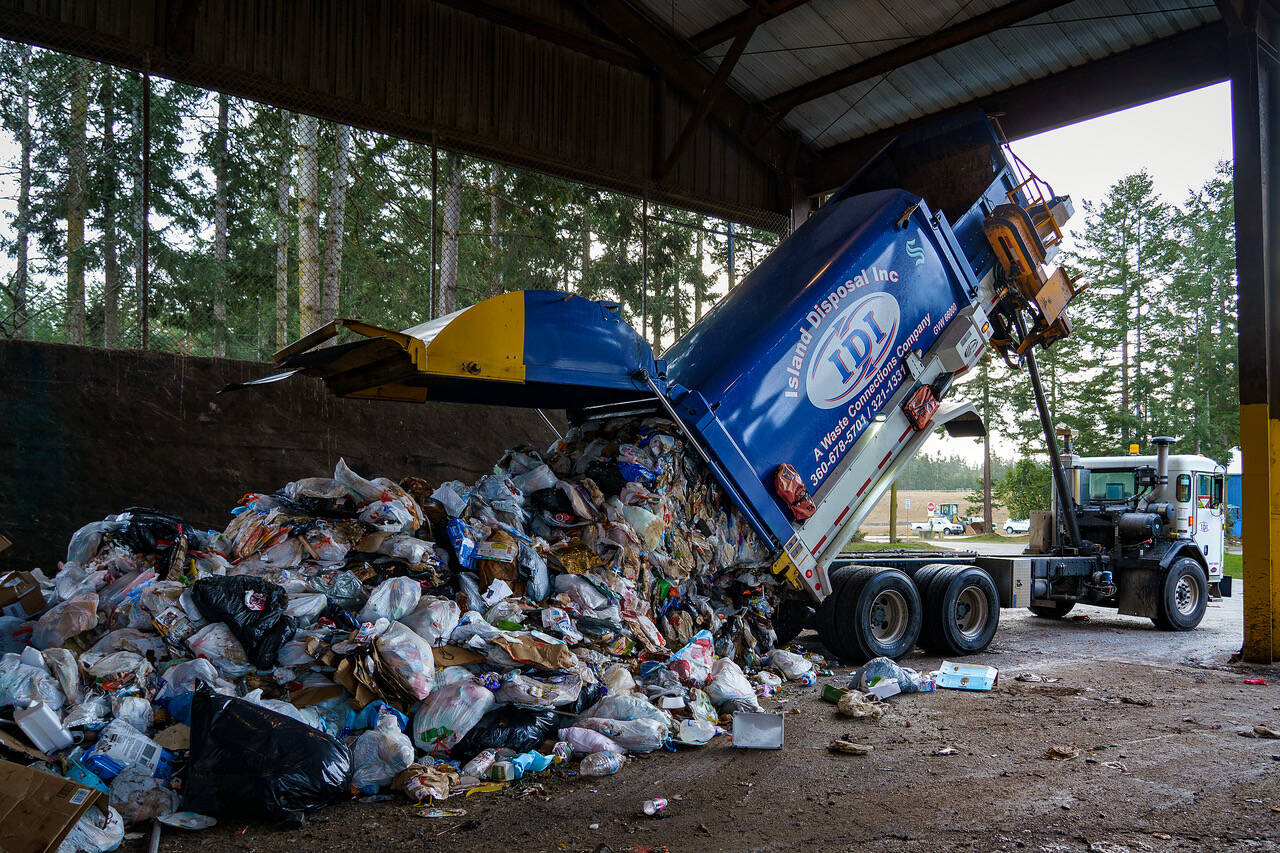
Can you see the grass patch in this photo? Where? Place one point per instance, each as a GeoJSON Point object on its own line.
{"type": "Point", "coordinates": [1233, 564]}
{"type": "Point", "coordinates": [993, 537]}
{"type": "Point", "coordinates": [906, 544]}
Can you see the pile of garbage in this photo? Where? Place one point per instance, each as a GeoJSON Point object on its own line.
{"type": "Point", "coordinates": [350, 637]}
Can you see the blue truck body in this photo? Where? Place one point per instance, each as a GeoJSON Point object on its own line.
{"type": "Point", "coordinates": [815, 347]}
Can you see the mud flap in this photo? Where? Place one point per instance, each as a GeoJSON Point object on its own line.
{"type": "Point", "coordinates": [1139, 591]}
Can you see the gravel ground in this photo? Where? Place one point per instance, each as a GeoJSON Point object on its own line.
{"type": "Point", "coordinates": [1154, 718]}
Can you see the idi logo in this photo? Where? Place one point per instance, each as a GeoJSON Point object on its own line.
{"type": "Point", "coordinates": [856, 344]}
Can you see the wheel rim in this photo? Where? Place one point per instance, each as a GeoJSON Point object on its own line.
{"type": "Point", "coordinates": [889, 617]}
{"type": "Point", "coordinates": [1186, 595]}
{"type": "Point", "coordinates": [971, 612]}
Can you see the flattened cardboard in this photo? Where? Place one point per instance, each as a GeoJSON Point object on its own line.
{"type": "Point", "coordinates": [38, 809]}
{"type": "Point", "coordinates": [455, 656]}
{"type": "Point", "coordinates": [20, 595]}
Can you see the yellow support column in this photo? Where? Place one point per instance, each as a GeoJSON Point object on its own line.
{"type": "Point", "coordinates": [1260, 527]}
{"type": "Point", "coordinates": [1252, 29]}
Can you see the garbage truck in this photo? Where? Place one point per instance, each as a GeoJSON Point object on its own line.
{"type": "Point", "coordinates": [809, 387]}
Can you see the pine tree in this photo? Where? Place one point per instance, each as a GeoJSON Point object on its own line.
{"type": "Point", "coordinates": [335, 218]}
{"type": "Point", "coordinates": [1124, 255]}
{"type": "Point", "coordinates": [77, 178]}
{"type": "Point", "coordinates": [310, 314]}
{"type": "Point", "coordinates": [1197, 324]}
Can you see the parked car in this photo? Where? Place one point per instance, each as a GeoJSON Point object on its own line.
{"type": "Point", "coordinates": [1014, 525]}
{"type": "Point", "coordinates": [938, 524]}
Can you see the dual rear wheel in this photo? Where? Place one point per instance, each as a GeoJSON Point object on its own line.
{"type": "Point", "coordinates": [885, 613]}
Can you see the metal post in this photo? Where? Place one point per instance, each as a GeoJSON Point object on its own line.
{"type": "Point", "coordinates": [431, 276]}
{"type": "Point", "coordinates": [1066, 506]}
{"type": "Point", "coordinates": [1255, 105]}
{"type": "Point", "coordinates": [144, 286]}
{"type": "Point", "coordinates": [988, 523]}
{"type": "Point", "coordinates": [644, 269]}
{"type": "Point", "coordinates": [733, 275]}
{"type": "Point", "coordinates": [893, 513]}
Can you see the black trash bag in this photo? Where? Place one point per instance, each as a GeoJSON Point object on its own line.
{"type": "Point", "coordinates": [607, 476]}
{"type": "Point", "coordinates": [588, 696]}
{"type": "Point", "coordinates": [254, 610]}
{"type": "Point", "coordinates": [553, 501]}
{"type": "Point", "coordinates": [520, 729]}
{"type": "Point", "coordinates": [148, 531]}
{"type": "Point", "coordinates": [247, 760]}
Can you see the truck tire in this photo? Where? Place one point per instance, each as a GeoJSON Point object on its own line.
{"type": "Point", "coordinates": [1184, 597]}
{"type": "Point", "coordinates": [922, 576]}
{"type": "Point", "coordinates": [1056, 610]}
{"type": "Point", "coordinates": [878, 614]}
{"type": "Point", "coordinates": [961, 611]}
{"type": "Point", "coordinates": [826, 620]}
{"type": "Point", "coordinates": [791, 617]}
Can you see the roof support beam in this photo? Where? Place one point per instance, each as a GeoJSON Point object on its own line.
{"type": "Point", "coordinates": [965, 31]}
{"type": "Point", "coordinates": [725, 30]}
{"type": "Point", "coordinates": [507, 13]}
{"type": "Point", "coordinates": [745, 28]}
{"type": "Point", "coordinates": [1166, 67]}
{"type": "Point", "coordinates": [673, 60]}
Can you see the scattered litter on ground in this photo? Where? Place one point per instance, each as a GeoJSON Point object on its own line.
{"type": "Point", "coordinates": [966, 676]}
{"type": "Point", "coordinates": [1033, 678]}
{"type": "Point", "coordinates": [346, 637]}
{"type": "Point", "coordinates": [1061, 753]}
{"type": "Point", "coordinates": [849, 747]}
{"type": "Point", "coordinates": [860, 705]}
{"type": "Point", "coordinates": [882, 677]}
{"type": "Point", "coordinates": [945, 750]}
{"type": "Point", "coordinates": [656, 807]}
{"type": "Point", "coordinates": [1260, 682]}
{"type": "Point", "coordinates": [757, 730]}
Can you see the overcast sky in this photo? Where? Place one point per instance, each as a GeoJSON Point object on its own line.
{"type": "Point", "coordinates": [1179, 141]}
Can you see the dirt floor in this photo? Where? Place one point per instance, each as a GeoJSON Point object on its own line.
{"type": "Point", "coordinates": [1154, 717]}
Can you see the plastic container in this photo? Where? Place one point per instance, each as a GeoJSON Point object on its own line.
{"type": "Point", "coordinates": [600, 764]}
{"type": "Point", "coordinates": [757, 730]}
{"type": "Point", "coordinates": [503, 771]}
{"type": "Point", "coordinates": [43, 726]}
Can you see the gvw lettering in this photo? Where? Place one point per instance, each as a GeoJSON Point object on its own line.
{"type": "Point", "coordinates": [857, 344]}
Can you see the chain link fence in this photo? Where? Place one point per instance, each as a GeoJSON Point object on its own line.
{"type": "Point", "coordinates": [137, 212]}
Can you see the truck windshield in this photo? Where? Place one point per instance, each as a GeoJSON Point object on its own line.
{"type": "Point", "coordinates": [1111, 485]}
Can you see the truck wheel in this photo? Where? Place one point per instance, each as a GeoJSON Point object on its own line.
{"type": "Point", "coordinates": [1184, 598]}
{"type": "Point", "coordinates": [1056, 610]}
{"type": "Point", "coordinates": [961, 611]}
{"type": "Point", "coordinates": [791, 617]}
{"type": "Point", "coordinates": [826, 621]}
{"type": "Point", "coordinates": [924, 574]}
{"type": "Point", "coordinates": [878, 615]}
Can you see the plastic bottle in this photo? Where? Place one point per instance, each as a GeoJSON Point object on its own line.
{"type": "Point", "coordinates": [43, 726]}
{"type": "Point", "coordinates": [480, 765]}
{"type": "Point", "coordinates": [656, 807]}
{"type": "Point", "coordinates": [600, 764]}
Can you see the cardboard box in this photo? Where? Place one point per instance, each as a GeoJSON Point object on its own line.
{"type": "Point", "coordinates": [20, 595]}
{"type": "Point", "coordinates": [38, 809]}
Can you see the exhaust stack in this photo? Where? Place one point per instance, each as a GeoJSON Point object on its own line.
{"type": "Point", "coordinates": [1162, 458]}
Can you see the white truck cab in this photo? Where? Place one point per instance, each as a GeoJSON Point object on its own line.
{"type": "Point", "coordinates": [1195, 490]}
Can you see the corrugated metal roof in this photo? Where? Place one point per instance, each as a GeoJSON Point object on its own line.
{"type": "Point", "coordinates": [825, 36]}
